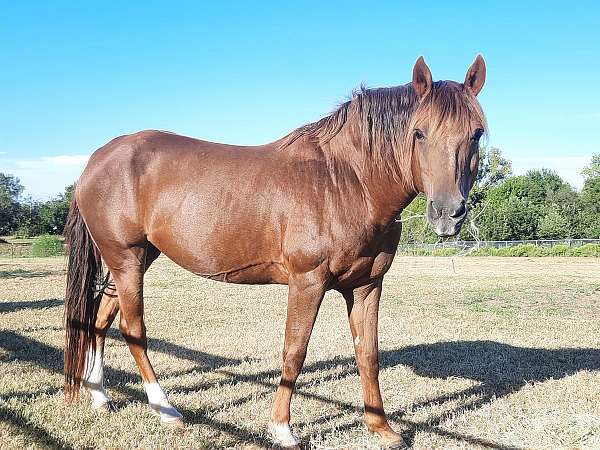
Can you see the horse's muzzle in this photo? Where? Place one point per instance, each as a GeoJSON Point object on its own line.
{"type": "Point", "coordinates": [446, 217]}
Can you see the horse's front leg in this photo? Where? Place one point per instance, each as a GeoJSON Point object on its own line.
{"type": "Point", "coordinates": [363, 309]}
{"type": "Point", "coordinates": [304, 298]}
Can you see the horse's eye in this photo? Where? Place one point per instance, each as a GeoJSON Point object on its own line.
{"type": "Point", "coordinates": [477, 135]}
{"type": "Point", "coordinates": [419, 135]}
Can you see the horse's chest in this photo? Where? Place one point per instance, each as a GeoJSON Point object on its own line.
{"type": "Point", "coordinates": [365, 269]}
{"type": "Point", "coordinates": [361, 269]}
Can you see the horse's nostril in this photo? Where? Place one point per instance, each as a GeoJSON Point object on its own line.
{"type": "Point", "coordinates": [459, 211]}
{"type": "Point", "coordinates": [435, 210]}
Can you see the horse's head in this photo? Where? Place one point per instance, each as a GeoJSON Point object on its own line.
{"type": "Point", "coordinates": [444, 131]}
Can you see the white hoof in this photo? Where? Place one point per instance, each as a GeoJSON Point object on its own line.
{"type": "Point", "coordinates": [166, 412]}
{"type": "Point", "coordinates": [282, 435]}
{"type": "Point", "coordinates": [99, 396]}
{"type": "Point", "coordinates": [160, 406]}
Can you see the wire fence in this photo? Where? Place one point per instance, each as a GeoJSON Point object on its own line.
{"type": "Point", "coordinates": [468, 245]}
{"type": "Point", "coordinates": [19, 250]}
{"type": "Point", "coordinates": [15, 250]}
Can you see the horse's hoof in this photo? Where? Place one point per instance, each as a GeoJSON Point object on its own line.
{"type": "Point", "coordinates": [106, 407]}
{"type": "Point", "coordinates": [282, 436]}
{"type": "Point", "coordinates": [176, 423]}
{"type": "Point", "coordinates": [389, 440]}
{"type": "Point", "coordinates": [393, 443]}
{"type": "Point", "coordinates": [168, 415]}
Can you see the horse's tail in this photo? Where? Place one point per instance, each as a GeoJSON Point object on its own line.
{"type": "Point", "coordinates": [85, 285]}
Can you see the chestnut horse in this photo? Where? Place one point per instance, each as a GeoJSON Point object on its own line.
{"type": "Point", "coordinates": [315, 210]}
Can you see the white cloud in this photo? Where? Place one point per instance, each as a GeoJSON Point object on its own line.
{"type": "Point", "coordinates": [67, 160]}
{"type": "Point", "coordinates": [47, 176]}
{"type": "Point", "coordinates": [568, 167]}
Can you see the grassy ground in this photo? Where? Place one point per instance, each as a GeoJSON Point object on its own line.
{"type": "Point", "coordinates": [489, 352]}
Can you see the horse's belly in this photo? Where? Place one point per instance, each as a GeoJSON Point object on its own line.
{"type": "Point", "coordinates": [223, 261]}
{"type": "Point", "coordinates": [258, 273]}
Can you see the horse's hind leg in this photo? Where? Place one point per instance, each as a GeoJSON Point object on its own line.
{"type": "Point", "coordinates": [94, 373]}
{"type": "Point", "coordinates": [127, 268]}
{"type": "Point", "coordinates": [107, 311]}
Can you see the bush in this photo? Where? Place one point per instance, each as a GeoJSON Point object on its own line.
{"type": "Point", "coordinates": [429, 252]}
{"type": "Point", "coordinates": [47, 245]}
{"type": "Point", "coordinates": [587, 250]}
{"type": "Point", "coordinates": [23, 232]}
{"type": "Point", "coordinates": [523, 250]}
{"type": "Point", "coordinates": [559, 250]}
{"type": "Point", "coordinates": [485, 251]}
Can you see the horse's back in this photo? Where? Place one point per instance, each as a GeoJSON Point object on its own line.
{"type": "Point", "coordinates": [240, 214]}
{"type": "Point", "coordinates": [210, 207]}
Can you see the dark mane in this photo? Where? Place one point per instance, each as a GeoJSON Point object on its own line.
{"type": "Point", "coordinates": [384, 118]}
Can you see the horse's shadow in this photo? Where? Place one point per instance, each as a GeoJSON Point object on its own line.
{"type": "Point", "coordinates": [500, 369]}
{"type": "Point", "coordinates": [12, 306]}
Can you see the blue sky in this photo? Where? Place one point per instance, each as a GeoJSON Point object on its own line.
{"type": "Point", "coordinates": [76, 74]}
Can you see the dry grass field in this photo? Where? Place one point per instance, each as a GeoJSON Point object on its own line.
{"type": "Point", "coordinates": [500, 353]}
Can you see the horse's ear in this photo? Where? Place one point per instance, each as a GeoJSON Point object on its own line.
{"type": "Point", "coordinates": [421, 78]}
{"type": "Point", "coordinates": [475, 76]}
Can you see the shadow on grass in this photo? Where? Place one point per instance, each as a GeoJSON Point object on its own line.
{"type": "Point", "coordinates": [22, 273]}
{"type": "Point", "coordinates": [21, 424]}
{"type": "Point", "coordinates": [7, 307]}
{"type": "Point", "coordinates": [500, 369]}
{"type": "Point", "coordinates": [203, 361]}
{"type": "Point", "coordinates": [25, 349]}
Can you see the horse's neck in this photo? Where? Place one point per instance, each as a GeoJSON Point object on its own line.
{"type": "Point", "coordinates": [385, 190]}
{"type": "Point", "coordinates": [387, 198]}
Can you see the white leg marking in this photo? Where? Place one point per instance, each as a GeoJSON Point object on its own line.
{"type": "Point", "coordinates": [159, 403]}
{"type": "Point", "coordinates": [282, 435]}
{"type": "Point", "coordinates": [94, 379]}
{"type": "Point", "coordinates": [357, 341]}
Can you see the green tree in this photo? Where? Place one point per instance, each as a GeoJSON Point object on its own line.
{"type": "Point", "coordinates": [593, 170]}
{"type": "Point", "coordinates": [536, 205]}
{"type": "Point", "coordinates": [589, 209]}
{"type": "Point", "coordinates": [10, 193]}
{"type": "Point", "coordinates": [45, 217]}
{"type": "Point", "coordinates": [415, 228]}
{"type": "Point", "coordinates": [509, 218]}
{"type": "Point", "coordinates": [493, 170]}
{"type": "Point", "coordinates": [53, 213]}
{"type": "Point", "coordinates": [29, 223]}
{"type": "Point", "coordinates": [553, 224]}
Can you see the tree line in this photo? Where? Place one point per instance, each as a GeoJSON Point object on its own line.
{"type": "Point", "coordinates": [537, 205]}
{"type": "Point", "coordinates": [24, 217]}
